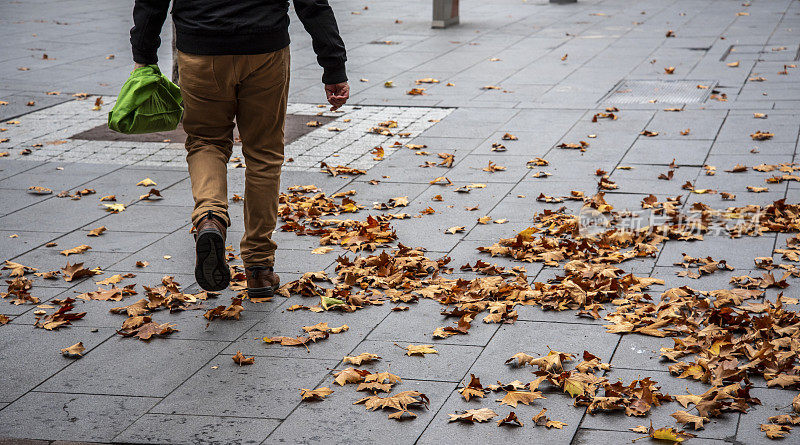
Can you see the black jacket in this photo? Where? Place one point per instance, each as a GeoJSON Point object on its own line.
{"type": "Point", "coordinates": [217, 27]}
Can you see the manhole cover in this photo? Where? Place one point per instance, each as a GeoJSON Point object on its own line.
{"type": "Point", "coordinates": [659, 91]}
{"type": "Point", "coordinates": [294, 129]}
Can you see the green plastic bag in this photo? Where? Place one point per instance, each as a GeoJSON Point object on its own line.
{"type": "Point", "coordinates": [148, 103]}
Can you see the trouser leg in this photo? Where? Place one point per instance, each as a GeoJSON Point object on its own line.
{"type": "Point", "coordinates": [261, 113]}
{"type": "Point", "coordinates": [209, 109]}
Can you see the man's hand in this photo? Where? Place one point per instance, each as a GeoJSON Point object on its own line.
{"type": "Point", "coordinates": [337, 94]}
{"type": "Point", "coordinates": [138, 65]}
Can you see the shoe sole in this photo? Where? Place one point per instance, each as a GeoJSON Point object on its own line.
{"type": "Point", "coordinates": [211, 271]}
{"type": "Point", "coordinates": [261, 292]}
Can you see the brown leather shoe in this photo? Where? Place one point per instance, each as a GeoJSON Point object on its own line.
{"type": "Point", "coordinates": [262, 281]}
{"type": "Point", "coordinates": [211, 270]}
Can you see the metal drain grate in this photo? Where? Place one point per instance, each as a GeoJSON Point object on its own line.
{"type": "Point", "coordinates": [659, 91]}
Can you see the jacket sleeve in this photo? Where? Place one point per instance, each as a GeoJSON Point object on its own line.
{"type": "Point", "coordinates": [319, 21]}
{"type": "Point", "coordinates": [148, 18]}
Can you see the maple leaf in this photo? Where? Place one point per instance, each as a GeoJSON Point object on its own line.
{"type": "Point", "coordinates": [364, 357]}
{"type": "Point", "coordinates": [114, 208]}
{"type": "Point", "coordinates": [525, 397]}
{"type": "Point", "coordinates": [401, 402]}
{"type": "Point", "coordinates": [62, 317]}
{"type": "Point", "coordinates": [74, 351]}
{"type": "Point", "coordinates": [785, 419]}
{"type": "Point", "coordinates": [75, 271]}
{"type": "Point", "coordinates": [135, 321]}
{"type": "Point", "coordinates": [153, 194]}
{"type": "Point", "coordinates": [552, 362]}
{"type": "Point", "coordinates": [455, 229]}
{"type": "Point", "coordinates": [4, 319]}
{"type": "Point", "coordinates": [686, 399]}
{"type": "Point", "coordinates": [315, 394]}
{"type": "Point", "coordinates": [114, 279]}
{"type": "Point", "coordinates": [510, 420]}
{"type": "Point", "coordinates": [542, 420]}
{"type": "Point", "coordinates": [666, 434]}
{"type": "Point", "coordinates": [148, 330]}
{"type": "Point", "coordinates": [75, 250]}
{"type": "Point", "coordinates": [133, 310]}
{"type": "Point", "coordinates": [473, 415]}
{"type": "Point", "coordinates": [230, 312]}
{"type": "Point", "coordinates": [240, 359]}
{"type": "Point", "coordinates": [686, 418]}
{"type": "Point", "coordinates": [401, 201]}
{"type": "Point", "coordinates": [17, 269]}
{"type": "Point", "coordinates": [775, 431]}
{"type": "Point", "coordinates": [473, 389]}
{"type": "Point", "coordinates": [350, 375]}
{"type": "Point", "coordinates": [420, 350]}
{"type": "Point", "coordinates": [97, 231]}
{"type": "Point", "coordinates": [492, 167]}
{"type": "Point", "coordinates": [783, 380]}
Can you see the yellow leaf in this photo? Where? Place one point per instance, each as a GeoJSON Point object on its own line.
{"type": "Point", "coordinates": [114, 208]}
{"type": "Point", "coordinates": [420, 350]}
{"type": "Point", "coordinates": [364, 357]}
{"type": "Point", "coordinates": [74, 351]}
{"type": "Point", "coordinates": [146, 182]}
{"type": "Point", "coordinates": [97, 231]}
{"type": "Point", "coordinates": [315, 394]}
{"type": "Point", "coordinates": [455, 229]}
{"type": "Point", "coordinates": [80, 249]}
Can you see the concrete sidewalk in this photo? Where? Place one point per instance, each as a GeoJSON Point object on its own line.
{"type": "Point", "coordinates": [536, 70]}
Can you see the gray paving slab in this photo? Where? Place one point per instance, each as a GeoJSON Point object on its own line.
{"type": "Point", "coordinates": [416, 326]}
{"type": "Point", "coordinates": [54, 214]}
{"type": "Point", "coordinates": [183, 429]}
{"type": "Point", "coordinates": [281, 322]}
{"type": "Point", "coordinates": [337, 420]}
{"type": "Point", "coordinates": [440, 430]}
{"type": "Point", "coordinates": [534, 338]}
{"type": "Point", "coordinates": [747, 249]}
{"type": "Point", "coordinates": [774, 402]}
{"type": "Point", "coordinates": [128, 366]}
{"type": "Point", "coordinates": [263, 389]}
{"type": "Point", "coordinates": [448, 365]}
{"type": "Point", "coordinates": [18, 242]}
{"type": "Point", "coordinates": [30, 370]}
{"type": "Point", "coordinates": [63, 416]}
{"type": "Point", "coordinates": [585, 436]}
{"type": "Point", "coordinates": [663, 152]}
{"type": "Point", "coordinates": [644, 179]}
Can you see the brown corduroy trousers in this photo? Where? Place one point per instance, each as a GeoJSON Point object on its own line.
{"type": "Point", "coordinates": [252, 90]}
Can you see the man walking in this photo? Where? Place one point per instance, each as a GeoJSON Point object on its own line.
{"type": "Point", "coordinates": [233, 64]}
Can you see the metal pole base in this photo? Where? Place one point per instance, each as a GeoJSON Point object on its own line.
{"type": "Point", "coordinates": [445, 13]}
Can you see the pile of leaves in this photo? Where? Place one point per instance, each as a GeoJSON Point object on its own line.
{"type": "Point", "coordinates": [302, 210]}
{"type": "Point", "coordinates": [168, 296]}
{"type": "Point", "coordinates": [731, 341]}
